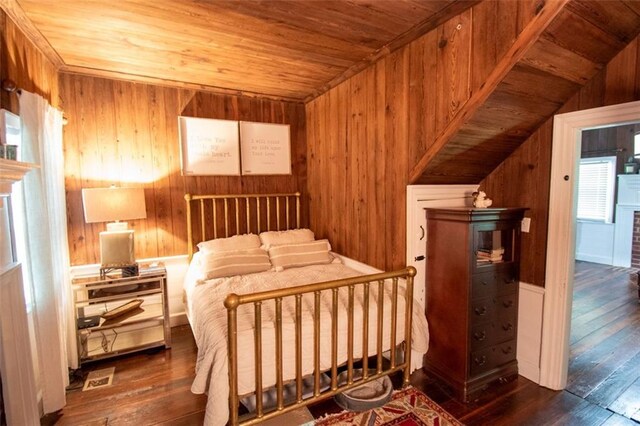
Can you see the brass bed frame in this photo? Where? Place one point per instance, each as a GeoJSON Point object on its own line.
{"type": "Point", "coordinates": [233, 207]}
{"type": "Point", "coordinates": [265, 216]}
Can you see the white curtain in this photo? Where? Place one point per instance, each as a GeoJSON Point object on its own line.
{"type": "Point", "coordinates": [46, 248]}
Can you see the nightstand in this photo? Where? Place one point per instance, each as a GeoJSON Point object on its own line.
{"type": "Point", "coordinates": [142, 328]}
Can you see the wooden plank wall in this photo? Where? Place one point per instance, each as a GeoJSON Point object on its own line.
{"type": "Point", "coordinates": [126, 134]}
{"type": "Point", "coordinates": [365, 135]}
{"type": "Point", "coordinates": [523, 179]}
{"type": "Point", "coordinates": [23, 63]}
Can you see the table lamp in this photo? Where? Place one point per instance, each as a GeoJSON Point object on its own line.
{"type": "Point", "coordinates": [114, 205]}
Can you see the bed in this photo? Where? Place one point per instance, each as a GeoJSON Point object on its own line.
{"type": "Point", "coordinates": [291, 328]}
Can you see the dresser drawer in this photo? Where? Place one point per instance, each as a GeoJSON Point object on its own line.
{"type": "Point", "coordinates": [483, 284]}
{"type": "Point", "coordinates": [480, 361]}
{"type": "Point", "coordinates": [507, 305]}
{"type": "Point", "coordinates": [505, 329]}
{"type": "Point", "coordinates": [485, 335]}
{"type": "Point", "coordinates": [482, 335]}
{"type": "Point", "coordinates": [507, 281]}
{"type": "Point", "coordinates": [504, 353]}
{"type": "Point", "coordinates": [489, 308]}
{"type": "Point", "coordinates": [492, 357]}
{"type": "Point", "coordinates": [482, 310]}
{"type": "Point", "coordinates": [490, 333]}
{"type": "Point", "coordinates": [501, 281]}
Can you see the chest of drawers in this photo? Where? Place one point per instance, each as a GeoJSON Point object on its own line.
{"type": "Point", "coordinates": [472, 296]}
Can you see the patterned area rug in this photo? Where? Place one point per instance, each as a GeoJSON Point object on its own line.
{"type": "Point", "coordinates": [408, 407]}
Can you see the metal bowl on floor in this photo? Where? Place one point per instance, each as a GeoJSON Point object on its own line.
{"type": "Point", "coordinates": [369, 395]}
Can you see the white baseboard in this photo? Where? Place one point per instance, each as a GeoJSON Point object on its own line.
{"type": "Point", "coordinates": [594, 258]}
{"type": "Point", "coordinates": [178, 319]}
{"type": "Point", "coordinates": [529, 370]}
{"type": "Point", "coordinates": [530, 305]}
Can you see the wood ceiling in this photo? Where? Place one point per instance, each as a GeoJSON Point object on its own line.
{"type": "Point", "coordinates": [297, 49]}
{"type": "Point", "coordinates": [289, 49]}
{"type": "Point", "coordinates": [565, 45]}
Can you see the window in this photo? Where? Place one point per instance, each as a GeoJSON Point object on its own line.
{"type": "Point", "coordinates": [17, 203]}
{"type": "Point", "coordinates": [596, 185]}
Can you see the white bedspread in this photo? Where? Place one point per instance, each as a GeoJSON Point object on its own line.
{"type": "Point", "coordinates": [208, 319]}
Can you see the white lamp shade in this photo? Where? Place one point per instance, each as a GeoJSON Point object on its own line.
{"type": "Point", "coordinates": [112, 204]}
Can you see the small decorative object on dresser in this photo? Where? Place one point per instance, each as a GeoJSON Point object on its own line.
{"type": "Point", "coordinates": [472, 296]}
{"type": "Point", "coordinates": [480, 200]}
{"type": "Point", "coordinates": [119, 314]}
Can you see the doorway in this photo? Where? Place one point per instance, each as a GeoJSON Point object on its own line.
{"type": "Point", "coordinates": [607, 195]}
{"type": "Point", "coordinates": [561, 232]}
{"type": "Point", "coordinates": [604, 360]}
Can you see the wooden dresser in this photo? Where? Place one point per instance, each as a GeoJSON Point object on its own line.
{"type": "Point", "coordinates": [472, 296]}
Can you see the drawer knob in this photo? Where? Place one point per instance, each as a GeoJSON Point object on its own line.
{"type": "Point", "coordinates": [509, 280]}
{"type": "Point", "coordinates": [481, 311]}
{"type": "Point", "coordinates": [481, 360]}
{"type": "Point", "coordinates": [508, 326]}
{"type": "Point", "coordinates": [479, 336]}
{"type": "Point", "coordinates": [507, 303]}
{"type": "Point", "coordinates": [507, 350]}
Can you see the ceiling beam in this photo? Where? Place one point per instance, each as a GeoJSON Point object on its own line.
{"type": "Point", "coordinates": [403, 39]}
{"type": "Point", "coordinates": [523, 43]}
{"type": "Point", "coordinates": [19, 17]}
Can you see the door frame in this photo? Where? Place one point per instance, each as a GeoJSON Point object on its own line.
{"type": "Point", "coordinates": [556, 329]}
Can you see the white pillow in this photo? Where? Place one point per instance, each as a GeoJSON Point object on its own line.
{"type": "Point", "coordinates": [237, 242]}
{"type": "Point", "coordinates": [301, 254]}
{"type": "Point", "coordinates": [237, 262]}
{"type": "Point", "coordinates": [292, 236]}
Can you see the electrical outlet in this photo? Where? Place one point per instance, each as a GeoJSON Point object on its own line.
{"type": "Point", "coordinates": [525, 224]}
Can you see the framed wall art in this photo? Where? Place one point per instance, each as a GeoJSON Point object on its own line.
{"type": "Point", "coordinates": [209, 146]}
{"type": "Point", "coordinates": [266, 148]}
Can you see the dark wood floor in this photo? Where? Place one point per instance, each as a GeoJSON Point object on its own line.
{"type": "Point", "coordinates": [153, 388]}
{"type": "Point", "coordinates": [604, 367]}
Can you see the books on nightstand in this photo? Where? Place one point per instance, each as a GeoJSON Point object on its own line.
{"type": "Point", "coordinates": [151, 268]}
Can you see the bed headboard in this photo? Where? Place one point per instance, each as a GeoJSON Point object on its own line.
{"type": "Point", "coordinates": [217, 216]}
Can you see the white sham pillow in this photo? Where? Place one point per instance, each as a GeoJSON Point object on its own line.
{"type": "Point", "coordinates": [237, 242]}
{"type": "Point", "coordinates": [237, 262]}
{"type": "Point", "coordinates": [300, 254]}
{"type": "Point", "coordinates": [292, 236]}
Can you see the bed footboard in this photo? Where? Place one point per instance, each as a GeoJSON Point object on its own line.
{"type": "Point", "coordinates": [363, 284]}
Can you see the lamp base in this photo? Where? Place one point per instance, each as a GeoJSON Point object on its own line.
{"type": "Point", "coordinates": [116, 248]}
{"type": "Point", "coordinates": [126, 270]}
{"type": "Point", "coordinates": [117, 226]}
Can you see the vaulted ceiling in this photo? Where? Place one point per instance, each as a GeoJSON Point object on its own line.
{"type": "Point", "coordinates": [296, 50]}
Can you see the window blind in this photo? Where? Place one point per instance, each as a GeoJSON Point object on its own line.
{"type": "Point", "coordinates": [596, 188]}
